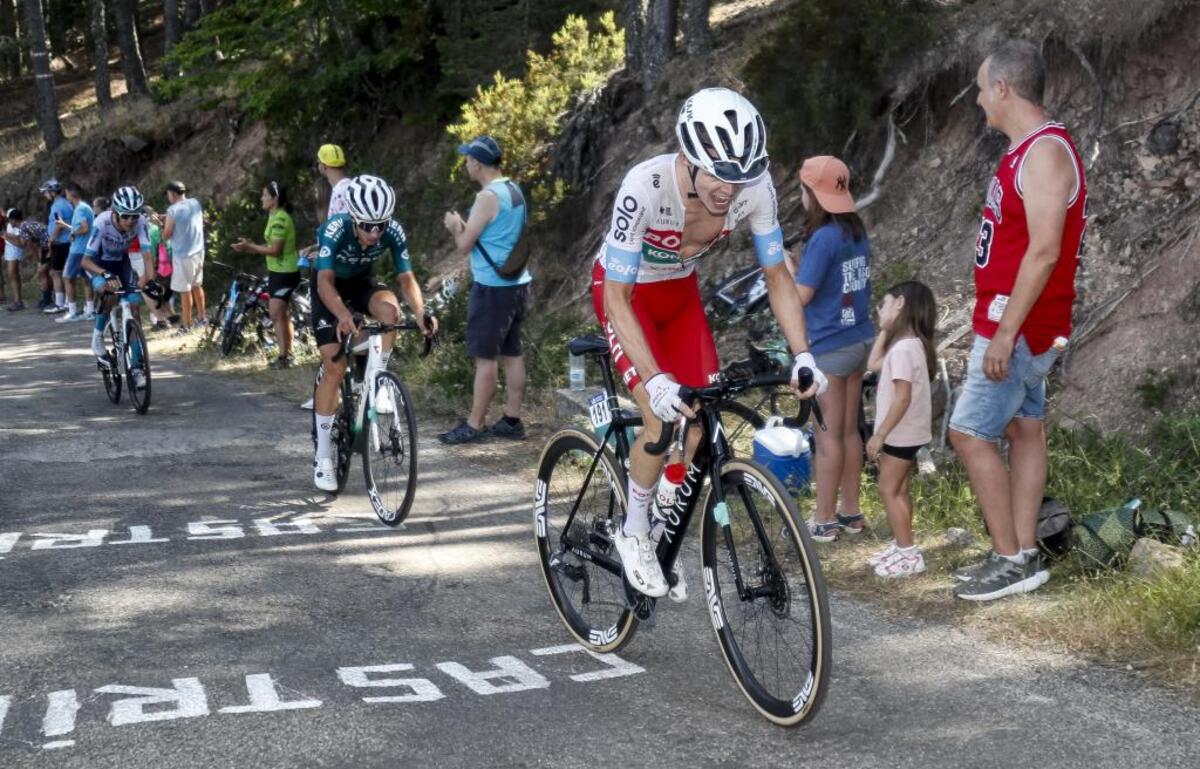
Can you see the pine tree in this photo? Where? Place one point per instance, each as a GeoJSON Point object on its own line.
{"type": "Point", "coordinates": [39, 54]}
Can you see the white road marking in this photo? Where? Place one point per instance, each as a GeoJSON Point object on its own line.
{"type": "Point", "coordinates": [515, 675]}
{"type": "Point", "coordinates": [268, 528]}
{"type": "Point", "coordinates": [8, 541]}
{"type": "Point", "coordinates": [187, 695]}
{"type": "Point", "coordinates": [140, 535]}
{"type": "Point", "coordinates": [94, 538]}
{"type": "Point", "coordinates": [219, 529]}
{"type": "Point", "coordinates": [60, 713]}
{"type": "Point", "coordinates": [618, 667]}
{"type": "Point", "coordinates": [264, 697]}
{"type": "Point", "coordinates": [422, 689]}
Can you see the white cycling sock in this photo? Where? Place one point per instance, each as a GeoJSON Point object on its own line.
{"type": "Point", "coordinates": [60, 299]}
{"type": "Point", "coordinates": [637, 514]}
{"type": "Point", "coordinates": [324, 444]}
{"type": "Point", "coordinates": [97, 342]}
{"type": "Point", "coordinates": [89, 307]}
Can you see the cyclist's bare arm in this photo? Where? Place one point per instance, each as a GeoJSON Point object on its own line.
{"type": "Point", "coordinates": [410, 289]}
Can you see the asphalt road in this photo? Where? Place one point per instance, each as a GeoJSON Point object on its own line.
{"type": "Point", "coordinates": [174, 593]}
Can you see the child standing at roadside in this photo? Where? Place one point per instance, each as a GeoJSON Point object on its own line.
{"type": "Point", "coordinates": [904, 358]}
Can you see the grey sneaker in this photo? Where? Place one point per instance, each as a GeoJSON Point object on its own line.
{"type": "Point", "coordinates": [464, 433]}
{"type": "Point", "coordinates": [505, 429]}
{"type": "Point", "coordinates": [1004, 578]}
{"type": "Point", "coordinates": [969, 573]}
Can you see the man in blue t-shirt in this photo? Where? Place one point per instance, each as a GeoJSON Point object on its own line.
{"type": "Point", "coordinates": [58, 225]}
{"type": "Point", "coordinates": [82, 217]}
{"type": "Point", "coordinates": [497, 305]}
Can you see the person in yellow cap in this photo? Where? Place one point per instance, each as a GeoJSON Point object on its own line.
{"type": "Point", "coordinates": [331, 163]}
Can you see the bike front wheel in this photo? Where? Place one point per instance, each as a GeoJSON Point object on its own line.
{"type": "Point", "coordinates": [390, 454]}
{"type": "Point", "coordinates": [137, 366]}
{"type": "Point", "coordinates": [579, 491]}
{"type": "Point", "coordinates": [773, 628]}
{"type": "Point", "coordinates": [109, 370]}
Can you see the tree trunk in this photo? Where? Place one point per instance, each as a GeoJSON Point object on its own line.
{"type": "Point", "coordinates": [10, 62]}
{"type": "Point", "coordinates": [658, 41]}
{"type": "Point", "coordinates": [47, 100]}
{"type": "Point", "coordinates": [100, 41]}
{"type": "Point", "coordinates": [131, 52]}
{"type": "Point", "coordinates": [633, 14]}
{"type": "Point", "coordinates": [191, 14]}
{"type": "Point", "coordinates": [58, 21]}
{"type": "Point", "coordinates": [697, 38]}
{"type": "Point", "coordinates": [171, 33]}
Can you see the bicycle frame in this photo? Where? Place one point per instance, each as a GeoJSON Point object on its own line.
{"type": "Point", "coordinates": [711, 455]}
{"type": "Point", "coordinates": [117, 316]}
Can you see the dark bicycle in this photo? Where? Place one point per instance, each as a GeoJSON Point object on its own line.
{"type": "Point", "coordinates": [378, 421]}
{"type": "Point", "coordinates": [763, 584]}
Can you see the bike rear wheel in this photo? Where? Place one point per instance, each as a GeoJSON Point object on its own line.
{"type": "Point", "coordinates": [231, 330]}
{"type": "Point", "coordinates": [579, 562]}
{"type": "Point", "coordinates": [136, 350]}
{"type": "Point", "coordinates": [774, 634]}
{"type": "Point", "coordinates": [390, 453]}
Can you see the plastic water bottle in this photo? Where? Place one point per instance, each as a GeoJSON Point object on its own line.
{"type": "Point", "coordinates": [667, 488]}
{"type": "Point", "coordinates": [576, 372]}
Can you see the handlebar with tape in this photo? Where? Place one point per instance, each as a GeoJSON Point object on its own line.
{"type": "Point", "coordinates": [686, 394]}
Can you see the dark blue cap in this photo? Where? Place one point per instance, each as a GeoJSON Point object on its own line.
{"type": "Point", "coordinates": [485, 149]}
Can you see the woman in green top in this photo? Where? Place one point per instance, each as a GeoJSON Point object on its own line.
{"type": "Point", "coordinates": [282, 271]}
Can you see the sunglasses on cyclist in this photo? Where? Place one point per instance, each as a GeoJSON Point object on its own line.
{"type": "Point", "coordinates": [128, 217]}
{"type": "Point", "coordinates": [372, 226]}
{"type": "Point", "coordinates": [732, 173]}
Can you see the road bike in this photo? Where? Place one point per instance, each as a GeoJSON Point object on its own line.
{"type": "Point", "coordinates": [763, 585]}
{"type": "Point", "coordinates": [377, 421]}
{"type": "Point", "coordinates": [128, 359]}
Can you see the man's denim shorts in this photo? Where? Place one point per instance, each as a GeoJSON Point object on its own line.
{"type": "Point", "coordinates": [984, 408]}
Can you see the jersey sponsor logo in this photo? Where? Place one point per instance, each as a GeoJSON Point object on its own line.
{"type": "Point", "coordinates": [624, 219]}
{"type": "Point", "coordinates": [614, 266]}
{"type": "Point", "coordinates": [658, 255]}
{"type": "Point", "coordinates": [324, 253]}
{"type": "Point", "coordinates": [995, 196]}
{"type": "Point", "coordinates": [656, 180]}
{"type": "Point", "coordinates": [334, 228]}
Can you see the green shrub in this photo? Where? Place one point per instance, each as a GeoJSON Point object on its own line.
{"type": "Point", "coordinates": [525, 114]}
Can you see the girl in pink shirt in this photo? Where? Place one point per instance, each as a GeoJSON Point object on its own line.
{"type": "Point", "coordinates": [904, 358]}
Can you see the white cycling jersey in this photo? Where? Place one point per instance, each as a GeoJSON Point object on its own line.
{"type": "Point", "coordinates": [339, 198]}
{"type": "Point", "coordinates": [646, 232]}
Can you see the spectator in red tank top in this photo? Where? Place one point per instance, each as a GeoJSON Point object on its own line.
{"type": "Point", "coordinates": [1026, 254]}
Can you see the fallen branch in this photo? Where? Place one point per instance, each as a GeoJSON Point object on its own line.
{"type": "Point", "coordinates": [961, 94]}
{"type": "Point", "coordinates": [889, 154]}
{"type": "Point", "coordinates": [1191, 101]}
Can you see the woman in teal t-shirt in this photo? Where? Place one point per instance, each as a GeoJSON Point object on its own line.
{"type": "Point", "coordinates": [282, 270]}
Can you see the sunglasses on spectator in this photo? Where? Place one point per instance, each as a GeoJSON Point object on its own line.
{"type": "Point", "coordinates": [372, 226]}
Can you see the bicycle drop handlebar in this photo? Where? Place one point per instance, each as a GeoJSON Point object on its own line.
{"type": "Point", "coordinates": [723, 389]}
{"type": "Point", "coordinates": [374, 328]}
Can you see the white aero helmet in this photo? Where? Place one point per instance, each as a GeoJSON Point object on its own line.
{"type": "Point", "coordinates": [370, 199]}
{"type": "Point", "coordinates": [721, 132]}
{"type": "Point", "coordinates": [127, 200]}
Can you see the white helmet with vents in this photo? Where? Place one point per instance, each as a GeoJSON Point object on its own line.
{"type": "Point", "coordinates": [127, 200]}
{"type": "Point", "coordinates": [721, 132]}
{"type": "Point", "coordinates": [370, 199]}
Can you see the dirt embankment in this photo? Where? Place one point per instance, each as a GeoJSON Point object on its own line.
{"type": "Point", "coordinates": [1122, 77]}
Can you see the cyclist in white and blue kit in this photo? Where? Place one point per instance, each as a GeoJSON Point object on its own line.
{"type": "Point", "coordinates": [106, 259]}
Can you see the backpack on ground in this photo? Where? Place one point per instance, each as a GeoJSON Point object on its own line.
{"type": "Point", "coordinates": [1054, 526]}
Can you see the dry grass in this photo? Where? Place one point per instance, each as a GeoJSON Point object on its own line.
{"type": "Point", "coordinates": [1113, 619]}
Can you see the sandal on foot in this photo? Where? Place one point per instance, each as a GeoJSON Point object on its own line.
{"type": "Point", "coordinates": [852, 524]}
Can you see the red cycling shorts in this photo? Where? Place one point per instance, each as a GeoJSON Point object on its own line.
{"type": "Point", "coordinates": [672, 318]}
